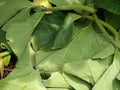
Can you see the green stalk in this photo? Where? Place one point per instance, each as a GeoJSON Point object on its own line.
{"type": "Point", "coordinates": [113, 30]}
{"type": "Point", "coordinates": [71, 7]}
{"type": "Point", "coordinates": [110, 28]}
{"type": "Point", "coordinates": [98, 22]}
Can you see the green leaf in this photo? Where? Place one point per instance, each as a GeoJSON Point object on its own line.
{"type": "Point", "coordinates": [76, 83]}
{"type": "Point", "coordinates": [86, 69]}
{"type": "Point", "coordinates": [56, 80]}
{"type": "Point", "coordinates": [110, 5]}
{"type": "Point", "coordinates": [2, 37]}
{"type": "Point", "coordinates": [86, 44]}
{"type": "Point", "coordinates": [44, 34]}
{"type": "Point", "coordinates": [105, 53]}
{"type": "Point", "coordinates": [19, 33]}
{"type": "Point", "coordinates": [27, 58]}
{"type": "Point", "coordinates": [6, 60]}
{"type": "Point", "coordinates": [107, 80]}
{"type": "Point", "coordinates": [65, 31]}
{"type": "Point", "coordinates": [118, 76]}
{"type": "Point", "coordinates": [22, 79]}
{"type": "Point", "coordinates": [19, 17]}
{"type": "Point", "coordinates": [3, 41]}
{"type": "Point", "coordinates": [112, 19]}
{"type": "Point", "coordinates": [10, 7]}
{"type": "Point", "coordinates": [41, 55]}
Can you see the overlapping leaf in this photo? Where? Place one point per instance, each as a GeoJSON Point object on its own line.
{"type": "Point", "coordinates": [20, 39]}
{"type": "Point", "coordinates": [82, 51]}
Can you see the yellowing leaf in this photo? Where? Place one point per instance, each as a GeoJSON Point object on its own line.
{"type": "Point", "coordinates": [1, 67]}
{"type": "Point", "coordinates": [43, 3]}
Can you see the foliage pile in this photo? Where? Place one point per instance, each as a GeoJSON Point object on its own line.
{"type": "Point", "coordinates": [60, 44]}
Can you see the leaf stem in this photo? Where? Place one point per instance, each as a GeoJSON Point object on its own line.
{"type": "Point", "coordinates": [71, 7]}
{"type": "Point", "coordinates": [113, 30]}
{"type": "Point", "coordinates": [110, 28]}
{"type": "Point", "coordinates": [98, 22]}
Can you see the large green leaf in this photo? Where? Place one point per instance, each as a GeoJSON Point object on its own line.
{"type": "Point", "coordinates": [110, 5]}
{"type": "Point", "coordinates": [22, 79]}
{"type": "Point", "coordinates": [9, 8]}
{"type": "Point", "coordinates": [52, 32]}
{"type": "Point", "coordinates": [19, 33]}
{"type": "Point", "coordinates": [85, 45]}
{"type": "Point", "coordinates": [108, 80]}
